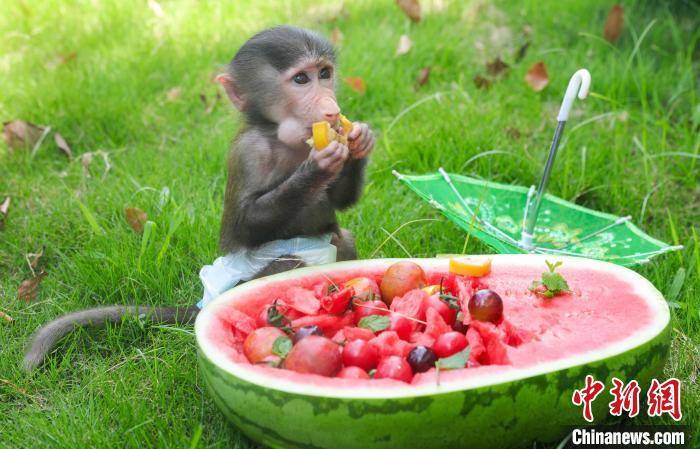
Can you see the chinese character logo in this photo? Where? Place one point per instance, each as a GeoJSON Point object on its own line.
{"type": "Point", "coordinates": [665, 398]}
{"type": "Point", "coordinates": [625, 398]}
{"type": "Point", "coordinates": [586, 395]}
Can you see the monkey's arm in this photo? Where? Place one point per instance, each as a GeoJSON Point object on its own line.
{"type": "Point", "coordinates": [347, 188]}
{"type": "Point", "coordinates": [48, 335]}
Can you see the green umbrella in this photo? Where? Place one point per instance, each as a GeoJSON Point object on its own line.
{"type": "Point", "coordinates": [515, 219]}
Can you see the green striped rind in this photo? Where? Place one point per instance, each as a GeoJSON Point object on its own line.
{"type": "Point", "coordinates": [511, 414]}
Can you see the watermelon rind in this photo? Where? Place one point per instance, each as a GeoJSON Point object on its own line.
{"type": "Point", "coordinates": [511, 409]}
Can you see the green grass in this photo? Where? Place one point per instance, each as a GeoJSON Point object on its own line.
{"type": "Point", "coordinates": [634, 139]}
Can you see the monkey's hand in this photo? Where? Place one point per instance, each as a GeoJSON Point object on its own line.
{"type": "Point", "coordinates": [360, 140]}
{"type": "Point", "coordinates": [331, 159]}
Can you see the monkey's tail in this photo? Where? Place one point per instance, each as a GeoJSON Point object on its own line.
{"type": "Point", "coordinates": [48, 335]}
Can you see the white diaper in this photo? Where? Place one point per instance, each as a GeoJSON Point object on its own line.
{"type": "Point", "coordinates": [242, 265]}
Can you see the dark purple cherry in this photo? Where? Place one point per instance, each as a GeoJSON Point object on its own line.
{"type": "Point", "coordinates": [421, 359]}
{"type": "Point", "coordinates": [486, 305]}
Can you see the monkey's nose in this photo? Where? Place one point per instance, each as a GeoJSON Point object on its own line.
{"type": "Point", "coordinates": [329, 109]}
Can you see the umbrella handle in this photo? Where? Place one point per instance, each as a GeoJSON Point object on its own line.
{"type": "Point", "coordinates": [581, 82]}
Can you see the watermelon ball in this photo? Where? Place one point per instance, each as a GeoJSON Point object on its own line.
{"type": "Point", "coordinates": [361, 354]}
{"type": "Point", "coordinates": [400, 278]}
{"type": "Point", "coordinates": [353, 372]}
{"type": "Point", "coordinates": [394, 367]}
{"type": "Point", "coordinates": [449, 343]}
{"type": "Point", "coordinates": [315, 355]}
{"type": "Point", "coordinates": [446, 312]}
{"type": "Point", "coordinates": [367, 308]}
{"type": "Point", "coordinates": [486, 305]}
{"type": "Point", "coordinates": [401, 325]}
{"type": "Point", "coordinates": [421, 359]}
{"type": "Point", "coordinates": [258, 344]}
{"type": "Point", "coordinates": [305, 331]}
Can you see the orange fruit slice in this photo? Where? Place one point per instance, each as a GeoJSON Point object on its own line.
{"type": "Point", "coordinates": [431, 289]}
{"type": "Point", "coordinates": [321, 134]}
{"type": "Point", "coordinates": [346, 124]}
{"type": "Point", "coordinates": [470, 266]}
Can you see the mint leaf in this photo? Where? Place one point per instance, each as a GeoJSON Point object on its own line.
{"type": "Point", "coordinates": [553, 266]}
{"type": "Point", "coordinates": [552, 283]}
{"type": "Point", "coordinates": [375, 323]}
{"type": "Point", "coordinates": [282, 346]}
{"type": "Point", "coordinates": [555, 282]}
{"type": "Point", "coordinates": [455, 361]}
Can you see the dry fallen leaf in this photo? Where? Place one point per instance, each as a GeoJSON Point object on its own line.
{"type": "Point", "coordinates": [336, 36]}
{"type": "Point", "coordinates": [423, 76]}
{"type": "Point", "coordinates": [20, 134]}
{"type": "Point", "coordinates": [4, 208]}
{"type": "Point", "coordinates": [537, 77]}
{"type": "Point", "coordinates": [356, 83]}
{"type": "Point", "coordinates": [521, 51]}
{"type": "Point", "coordinates": [614, 24]}
{"type": "Point", "coordinates": [33, 259]}
{"type": "Point", "coordinates": [60, 60]}
{"type": "Point", "coordinates": [497, 67]}
{"type": "Point", "coordinates": [411, 8]}
{"type": "Point", "coordinates": [513, 133]}
{"type": "Point", "coordinates": [28, 289]}
{"type": "Point", "coordinates": [85, 161]}
{"type": "Point", "coordinates": [481, 83]}
{"type": "Point", "coordinates": [6, 317]}
{"type": "Point", "coordinates": [404, 46]}
{"type": "Point", "coordinates": [173, 94]}
{"type": "Point", "coordinates": [136, 218]}
{"type": "Point", "coordinates": [63, 145]}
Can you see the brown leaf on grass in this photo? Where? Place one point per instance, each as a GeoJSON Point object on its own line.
{"type": "Point", "coordinates": [356, 83]}
{"type": "Point", "coordinates": [173, 94]}
{"type": "Point", "coordinates": [136, 218]}
{"type": "Point", "coordinates": [537, 77]}
{"type": "Point", "coordinates": [28, 289]}
{"type": "Point", "coordinates": [336, 36]}
{"type": "Point", "coordinates": [411, 8]}
{"type": "Point", "coordinates": [423, 76]}
{"type": "Point", "coordinates": [481, 83]}
{"type": "Point", "coordinates": [4, 208]}
{"type": "Point", "coordinates": [513, 133]}
{"type": "Point", "coordinates": [614, 24]}
{"type": "Point", "coordinates": [497, 67]}
{"type": "Point", "coordinates": [33, 259]}
{"type": "Point", "coordinates": [20, 134]}
{"type": "Point", "coordinates": [404, 46]}
{"type": "Point", "coordinates": [61, 59]}
{"type": "Point", "coordinates": [6, 317]}
{"type": "Point", "coordinates": [63, 145]}
{"type": "Point", "coordinates": [520, 54]}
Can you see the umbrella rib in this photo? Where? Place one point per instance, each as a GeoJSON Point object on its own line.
{"type": "Point", "coordinates": [483, 223]}
{"type": "Point", "coordinates": [617, 222]}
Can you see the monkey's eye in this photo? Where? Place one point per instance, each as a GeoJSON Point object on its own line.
{"type": "Point", "coordinates": [325, 73]}
{"type": "Point", "coordinates": [301, 78]}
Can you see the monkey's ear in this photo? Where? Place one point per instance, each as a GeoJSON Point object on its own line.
{"type": "Point", "coordinates": [231, 90]}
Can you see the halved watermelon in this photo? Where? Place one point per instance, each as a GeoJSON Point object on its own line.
{"type": "Point", "coordinates": [614, 324]}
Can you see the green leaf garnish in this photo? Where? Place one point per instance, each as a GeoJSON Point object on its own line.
{"type": "Point", "coordinates": [332, 288]}
{"type": "Point", "coordinates": [375, 323]}
{"type": "Point", "coordinates": [277, 318]}
{"type": "Point", "coordinates": [282, 346]}
{"type": "Point", "coordinates": [552, 283]}
{"type": "Point", "coordinates": [455, 361]}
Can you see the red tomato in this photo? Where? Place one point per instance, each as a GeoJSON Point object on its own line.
{"type": "Point", "coordinates": [360, 353]}
{"type": "Point", "coordinates": [258, 344]}
{"type": "Point", "coordinates": [446, 312]}
{"type": "Point", "coordinates": [367, 308]}
{"type": "Point", "coordinates": [337, 302]}
{"type": "Point", "coordinates": [449, 343]}
{"type": "Point", "coordinates": [315, 355]}
{"type": "Point", "coordinates": [402, 326]}
{"type": "Point", "coordinates": [394, 367]}
{"type": "Point", "coordinates": [353, 372]}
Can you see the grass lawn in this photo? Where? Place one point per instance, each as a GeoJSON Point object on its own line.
{"type": "Point", "coordinates": [123, 81]}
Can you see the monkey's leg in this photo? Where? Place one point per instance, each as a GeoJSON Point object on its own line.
{"type": "Point", "coordinates": [345, 242]}
{"type": "Point", "coordinates": [282, 263]}
{"type": "Point", "coordinates": [48, 335]}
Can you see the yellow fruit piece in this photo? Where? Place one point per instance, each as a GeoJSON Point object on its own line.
{"type": "Point", "coordinates": [322, 134]}
{"type": "Point", "coordinates": [470, 266]}
{"type": "Point", "coordinates": [431, 289]}
{"type": "Point", "coordinates": [346, 124]}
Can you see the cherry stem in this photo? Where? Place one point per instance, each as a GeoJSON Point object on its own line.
{"type": "Point", "coordinates": [425, 323]}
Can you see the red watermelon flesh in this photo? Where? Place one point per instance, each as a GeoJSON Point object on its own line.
{"type": "Point", "coordinates": [603, 309]}
{"type": "Point", "coordinates": [302, 300]}
{"type": "Point", "coordinates": [411, 305]}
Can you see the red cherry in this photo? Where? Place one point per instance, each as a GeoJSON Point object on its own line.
{"type": "Point", "coordinates": [353, 372]}
{"type": "Point", "coordinates": [446, 312]}
{"type": "Point", "coordinates": [401, 325]}
{"type": "Point", "coordinates": [258, 344]}
{"type": "Point", "coordinates": [367, 308]}
{"type": "Point", "coordinates": [449, 343]}
{"type": "Point", "coordinates": [394, 367]}
{"type": "Point", "coordinates": [360, 353]}
{"type": "Point", "coordinates": [315, 355]}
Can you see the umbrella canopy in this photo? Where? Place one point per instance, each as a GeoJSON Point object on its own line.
{"type": "Point", "coordinates": [495, 213]}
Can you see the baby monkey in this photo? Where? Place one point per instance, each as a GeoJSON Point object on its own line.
{"type": "Point", "coordinates": [282, 80]}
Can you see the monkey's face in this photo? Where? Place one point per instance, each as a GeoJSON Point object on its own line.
{"type": "Point", "coordinates": [309, 92]}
